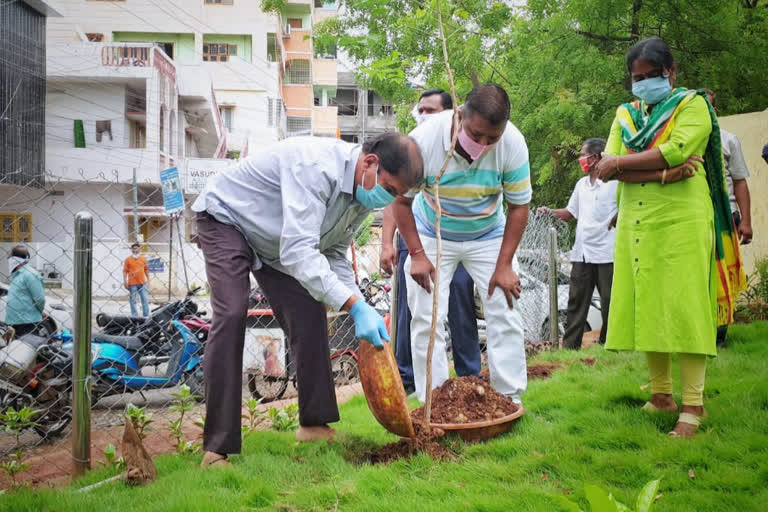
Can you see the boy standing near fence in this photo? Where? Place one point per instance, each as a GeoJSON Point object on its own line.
{"type": "Point", "coordinates": [135, 278]}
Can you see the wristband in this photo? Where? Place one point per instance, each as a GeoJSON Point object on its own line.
{"type": "Point", "coordinates": [417, 251]}
{"type": "Point", "coordinates": [663, 176]}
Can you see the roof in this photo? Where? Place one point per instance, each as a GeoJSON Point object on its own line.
{"type": "Point", "coordinates": [47, 8]}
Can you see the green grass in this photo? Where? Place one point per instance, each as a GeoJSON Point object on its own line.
{"type": "Point", "coordinates": [583, 426]}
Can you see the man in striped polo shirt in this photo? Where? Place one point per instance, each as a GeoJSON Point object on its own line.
{"type": "Point", "coordinates": [489, 167]}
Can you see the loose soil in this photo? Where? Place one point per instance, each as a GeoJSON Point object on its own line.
{"type": "Point", "coordinates": [466, 400]}
{"type": "Point", "coordinates": [458, 400]}
{"type": "Point", "coordinates": [424, 442]}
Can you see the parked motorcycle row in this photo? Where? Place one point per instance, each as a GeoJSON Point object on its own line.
{"type": "Point", "coordinates": [36, 371]}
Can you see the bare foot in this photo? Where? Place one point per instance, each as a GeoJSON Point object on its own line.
{"type": "Point", "coordinates": [213, 459]}
{"type": "Point", "coordinates": [319, 433]}
{"type": "Point", "coordinates": [664, 402]}
{"type": "Point", "coordinates": [686, 429]}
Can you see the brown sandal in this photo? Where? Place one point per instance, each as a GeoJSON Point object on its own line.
{"type": "Point", "coordinates": [213, 459]}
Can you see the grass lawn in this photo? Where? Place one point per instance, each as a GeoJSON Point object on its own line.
{"type": "Point", "coordinates": [584, 425]}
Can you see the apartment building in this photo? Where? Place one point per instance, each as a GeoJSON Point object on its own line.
{"type": "Point", "coordinates": [362, 113]}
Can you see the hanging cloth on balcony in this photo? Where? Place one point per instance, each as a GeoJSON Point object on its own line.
{"type": "Point", "coordinates": [79, 134]}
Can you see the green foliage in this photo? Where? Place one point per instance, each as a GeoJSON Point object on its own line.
{"type": "Point", "coordinates": [13, 466]}
{"type": "Point", "coordinates": [254, 417]}
{"type": "Point", "coordinates": [561, 61]}
{"type": "Point", "coordinates": [14, 421]}
{"type": "Point", "coordinates": [753, 303]}
{"type": "Point", "coordinates": [182, 403]}
{"type": "Point", "coordinates": [363, 233]}
{"type": "Point", "coordinates": [602, 501]}
{"type": "Point", "coordinates": [273, 6]}
{"type": "Point", "coordinates": [112, 461]}
{"type": "Point", "coordinates": [140, 418]}
{"type": "Point", "coordinates": [285, 419]}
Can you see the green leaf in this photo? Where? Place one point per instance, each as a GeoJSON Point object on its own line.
{"type": "Point", "coordinates": [568, 504]}
{"type": "Point", "coordinates": [647, 496]}
{"type": "Point", "coordinates": [600, 500]}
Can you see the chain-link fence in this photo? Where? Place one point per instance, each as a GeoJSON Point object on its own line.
{"type": "Point", "coordinates": [141, 360]}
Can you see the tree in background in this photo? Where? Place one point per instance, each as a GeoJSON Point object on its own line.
{"type": "Point", "coordinates": [562, 61]}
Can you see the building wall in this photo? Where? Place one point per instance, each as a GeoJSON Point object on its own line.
{"type": "Point", "coordinates": [243, 42]}
{"type": "Point", "coordinates": [183, 44]}
{"type": "Point", "coordinates": [752, 131]}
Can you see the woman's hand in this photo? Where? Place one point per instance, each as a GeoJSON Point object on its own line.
{"type": "Point", "coordinates": [607, 166]}
{"type": "Point", "coordinates": [682, 172]}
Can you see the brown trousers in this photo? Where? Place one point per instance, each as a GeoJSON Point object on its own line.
{"type": "Point", "coordinates": [228, 261]}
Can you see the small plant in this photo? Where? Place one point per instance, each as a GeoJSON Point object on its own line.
{"type": "Point", "coordinates": [15, 422]}
{"type": "Point", "coordinates": [255, 417]}
{"type": "Point", "coordinates": [183, 402]}
{"type": "Point", "coordinates": [13, 466]}
{"type": "Point", "coordinates": [112, 460]}
{"type": "Point", "coordinates": [286, 419]}
{"type": "Point", "coordinates": [140, 419]}
{"type": "Point", "coordinates": [601, 501]}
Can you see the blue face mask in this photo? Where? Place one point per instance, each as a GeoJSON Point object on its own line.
{"type": "Point", "coordinates": [652, 90]}
{"type": "Point", "coordinates": [377, 197]}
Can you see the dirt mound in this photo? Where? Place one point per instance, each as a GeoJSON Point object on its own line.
{"type": "Point", "coordinates": [424, 442]}
{"type": "Point", "coordinates": [466, 400]}
{"type": "Point", "coordinates": [541, 370]}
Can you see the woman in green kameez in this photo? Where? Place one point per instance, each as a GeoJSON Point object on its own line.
{"type": "Point", "coordinates": [671, 237]}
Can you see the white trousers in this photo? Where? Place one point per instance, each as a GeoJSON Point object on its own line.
{"type": "Point", "coordinates": [506, 349]}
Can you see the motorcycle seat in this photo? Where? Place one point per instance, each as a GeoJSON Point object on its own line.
{"type": "Point", "coordinates": [127, 342]}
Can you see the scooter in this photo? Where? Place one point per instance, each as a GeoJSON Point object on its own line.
{"type": "Point", "coordinates": [117, 363]}
{"type": "Point", "coordinates": [35, 373]}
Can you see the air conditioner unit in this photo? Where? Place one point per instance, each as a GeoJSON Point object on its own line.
{"type": "Point", "coordinates": [286, 31]}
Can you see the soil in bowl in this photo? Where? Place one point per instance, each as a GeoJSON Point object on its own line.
{"type": "Point", "coordinates": [466, 400]}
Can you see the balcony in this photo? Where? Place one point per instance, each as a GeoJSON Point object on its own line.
{"type": "Point", "coordinates": [325, 121]}
{"type": "Point", "coordinates": [299, 99]}
{"type": "Point", "coordinates": [112, 60]}
{"type": "Point", "coordinates": [324, 72]}
{"type": "Point", "coordinates": [201, 112]}
{"type": "Point", "coordinates": [298, 41]}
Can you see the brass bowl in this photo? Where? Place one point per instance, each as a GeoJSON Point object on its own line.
{"type": "Point", "coordinates": [481, 430]}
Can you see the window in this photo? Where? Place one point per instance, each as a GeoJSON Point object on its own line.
{"type": "Point", "coordinates": [219, 2]}
{"type": "Point", "coordinates": [227, 114]}
{"type": "Point", "coordinates": [295, 22]}
{"type": "Point", "coordinates": [138, 135]}
{"type": "Point", "coordinates": [166, 47]}
{"type": "Point", "coordinates": [272, 49]}
{"type": "Point", "coordinates": [299, 126]}
{"type": "Point", "coordinates": [297, 72]}
{"type": "Point", "coordinates": [103, 128]}
{"type": "Point", "coordinates": [218, 52]}
{"type": "Point", "coordinates": [15, 227]}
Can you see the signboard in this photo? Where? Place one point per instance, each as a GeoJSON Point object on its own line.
{"type": "Point", "coordinates": [200, 170]}
{"type": "Point", "coordinates": [156, 265]}
{"type": "Point", "coordinates": [173, 198]}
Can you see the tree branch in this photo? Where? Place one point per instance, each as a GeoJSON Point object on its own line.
{"type": "Point", "coordinates": [601, 37]}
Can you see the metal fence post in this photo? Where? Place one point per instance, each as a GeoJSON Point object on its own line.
{"type": "Point", "coordinates": [554, 324]}
{"type": "Point", "coordinates": [81, 367]}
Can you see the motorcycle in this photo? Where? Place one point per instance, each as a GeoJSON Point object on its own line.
{"type": "Point", "coordinates": [35, 373]}
{"type": "Point", "coordinates": [117, 362]}
{"type": "Point", "coordinates": [152, 331]}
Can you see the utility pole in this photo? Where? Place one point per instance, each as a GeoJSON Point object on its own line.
{"type": "Point", "coordinates": [135, 207]}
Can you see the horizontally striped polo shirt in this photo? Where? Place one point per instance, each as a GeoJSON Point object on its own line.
{"type": "Point", "coordinates": [470, 194]}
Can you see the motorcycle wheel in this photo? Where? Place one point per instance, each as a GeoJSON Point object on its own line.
{"type": "Point", "coordinates": [264, 388]}
{"type": "Point", "coordinates": [345, 370]}
{"type": "Point", "coordinates": [56, 418]}
{"type": "Point", "coordinates": [196, 383]}
{"type": "Point", "coordinates": [47, 328]}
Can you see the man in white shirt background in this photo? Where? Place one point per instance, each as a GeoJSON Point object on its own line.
{"type": "Point", "coordinates": [288, 214]}
{"type": "Point", "coordinates": [593, 205]}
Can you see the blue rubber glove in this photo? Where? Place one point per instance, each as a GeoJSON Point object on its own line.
{"type": "Point", "coordinates": [369, 325]}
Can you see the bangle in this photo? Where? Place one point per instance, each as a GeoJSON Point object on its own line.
{"type": "Point", "coordinates": [663, 176]}
{"type": "Point", "coordinates": [417, 251]}
{"type": "Point", "coordinates": [618, 169]}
